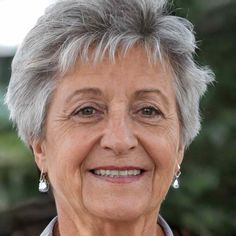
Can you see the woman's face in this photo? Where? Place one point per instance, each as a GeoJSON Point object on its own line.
{"type": "Point", "coordinates": [112, 138]}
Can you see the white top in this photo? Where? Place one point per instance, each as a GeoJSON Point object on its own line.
{"type": "Point", "coordinates": [49, 229]}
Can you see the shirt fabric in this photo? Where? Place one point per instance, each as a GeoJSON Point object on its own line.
{"type": "Point", "coordinates": [49, 229]}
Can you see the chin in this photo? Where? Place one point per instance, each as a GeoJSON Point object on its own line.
{"type": "Point", "coordinates": [119, 210]}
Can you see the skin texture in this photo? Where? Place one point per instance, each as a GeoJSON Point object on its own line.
{"type": "Point", "coordinates": [111, 114]}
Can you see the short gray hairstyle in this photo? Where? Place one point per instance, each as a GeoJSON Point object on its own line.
{"type": "Point", "coordinates": [67, 31]}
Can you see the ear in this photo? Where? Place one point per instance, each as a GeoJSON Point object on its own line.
{"type": "Point", "coordinates": [39, 151]}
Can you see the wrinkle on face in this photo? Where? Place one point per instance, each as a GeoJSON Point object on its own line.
{"type": "Point", "coordinates": [117, 134]}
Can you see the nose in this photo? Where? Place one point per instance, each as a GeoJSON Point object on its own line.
{"type": "Point", "coordinates": [119, 136]}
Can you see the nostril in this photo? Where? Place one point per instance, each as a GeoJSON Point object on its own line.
{"type": "Point", "coordinates": [118, 147]}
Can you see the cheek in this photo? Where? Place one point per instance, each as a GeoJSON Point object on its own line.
{"type": "Point", "coordinates": [161, 148]}
{"type": "Point", "coordinates": [65, 157]}
{"type": "Point", "coordinates": [165, 158]}
{"type": "Point", "coordinates": [161, 144]}
{"type": "Point", "coordinates": [72, 146]}
{"type": "Point", "coordinates": [165, 161]}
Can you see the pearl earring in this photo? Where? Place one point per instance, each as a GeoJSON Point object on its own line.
{"type": "Point", "coordinates": [43, 183]}
{"type": "Point", "coordinates": [175, 183]}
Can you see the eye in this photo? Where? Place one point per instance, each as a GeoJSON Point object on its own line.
{"type": "Point", "coordinates": [149, 112]}
{"type": "Point", "coordinates": [86, 112]}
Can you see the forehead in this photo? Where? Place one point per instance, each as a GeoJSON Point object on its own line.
{"type": "Point", "coordinates": [130, 78]}
{"type": "Point", "coordinates": [126, 76]}
{"type": "Point", "coordinates": [132, 65]}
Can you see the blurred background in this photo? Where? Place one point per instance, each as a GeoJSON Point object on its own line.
{"type": "Point", "coordinates": [206, 202]}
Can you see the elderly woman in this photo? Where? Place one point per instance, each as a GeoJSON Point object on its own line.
{"type": "Point", "coordinates": [106, 94]}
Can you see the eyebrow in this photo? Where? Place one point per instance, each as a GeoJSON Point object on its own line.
{"type": "Point", "coordinates": [87, 91]}
{"type": "Point", "coordinates": [98, 92]}
{"type": "Point", "coordinates": [145, 92]}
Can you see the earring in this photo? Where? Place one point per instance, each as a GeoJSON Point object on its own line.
{"type": "Point", "coordinates": [43, 183]}
{"type": "Point", "coordinates": [175, 183]}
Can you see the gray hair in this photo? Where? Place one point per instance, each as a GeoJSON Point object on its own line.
{"type": "Point", "coordinates": [69, 28]}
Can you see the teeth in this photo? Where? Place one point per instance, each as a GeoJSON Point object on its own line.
{"type": "Point", "coordinates": [117, 173]}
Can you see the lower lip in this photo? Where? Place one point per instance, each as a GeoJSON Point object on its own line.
{"type": "Point", "coordinates": [119, 180]}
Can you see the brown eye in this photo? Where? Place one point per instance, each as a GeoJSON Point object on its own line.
{"type": "Point", "coordinates": [86, 111]}
{"type": "Point", "coordinates": [149, 112]}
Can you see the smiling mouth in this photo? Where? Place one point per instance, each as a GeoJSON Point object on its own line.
{"type": "Point", "coordinates": [117, 173]}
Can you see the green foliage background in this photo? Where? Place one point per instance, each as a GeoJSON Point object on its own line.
{"type": "Point", "coordinates": [206, 203]}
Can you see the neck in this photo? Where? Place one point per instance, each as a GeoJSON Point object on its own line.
{"type": "Point", "coordinates": [73, 226]}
